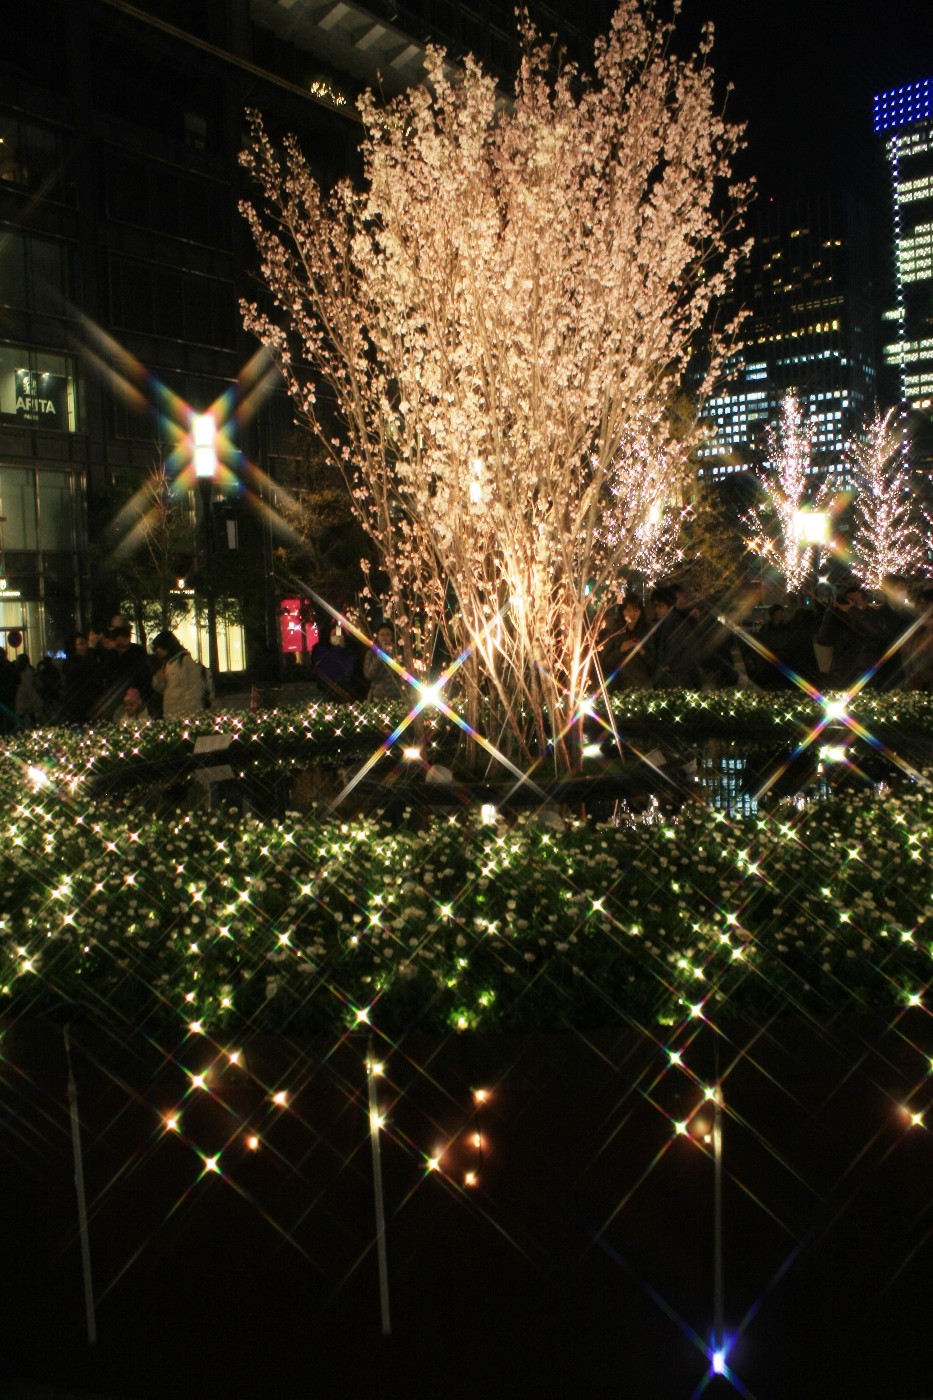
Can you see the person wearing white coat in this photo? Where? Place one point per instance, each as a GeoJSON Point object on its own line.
{"type": "Point", "coordinates": [180, 680]}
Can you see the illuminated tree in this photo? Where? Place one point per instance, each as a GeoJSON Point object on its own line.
{"type": "Point", "coordinates": [503, 317]}
{"type": "Point", "coordinates": [886, 519]}
{"type": "Point", "coordinates": [780, 524]}
{"type": "Point", "coordinates": [148, 542]}
{"type": "Point", "coordinates": [645, 506]}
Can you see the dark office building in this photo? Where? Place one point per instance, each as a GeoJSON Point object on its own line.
{"type": "Point", "coordinates": [809, 329]}
{"type": "Point", "coordinates": [122, 262]}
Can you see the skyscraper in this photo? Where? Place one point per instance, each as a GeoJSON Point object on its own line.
{"type": "Point", "coordinates": [903, 117]}
{"type": "Point", "coordinates": [809, 330]}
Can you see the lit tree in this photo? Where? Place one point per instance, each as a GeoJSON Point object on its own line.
{"type": "Point", "coordinates": [778, 524]}
{"type": "Point", "coordinates": [886, 533]}
{"type": "Point", "coordinates": [645, 506]}
{"type": "Point", "coordinates": [504, 316]}
{"type": "Point", "coordinates": [147, 543]}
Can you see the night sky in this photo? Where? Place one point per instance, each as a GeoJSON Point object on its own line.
{"type": "Point", "coordinates": [804, 74]}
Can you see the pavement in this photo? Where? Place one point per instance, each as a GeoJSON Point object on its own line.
{"type": "Point", "coordinates": [33, 1390]}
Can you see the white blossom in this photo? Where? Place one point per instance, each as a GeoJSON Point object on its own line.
{"type": "Point", "coordinates": [504, 315]}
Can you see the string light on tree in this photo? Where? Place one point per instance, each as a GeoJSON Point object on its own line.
{"type": "Point", "coordinates": [525, 455]}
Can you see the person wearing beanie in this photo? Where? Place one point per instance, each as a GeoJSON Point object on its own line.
{"type": "Point", "coordinates": [133, 709]}
{"type": "Point", "coordinates": [180, 680]}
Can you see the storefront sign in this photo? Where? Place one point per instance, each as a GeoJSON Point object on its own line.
{"type": "Point", "coordinates": [292, 624]}
{"type": "Point", "coordinates": [41, 398]}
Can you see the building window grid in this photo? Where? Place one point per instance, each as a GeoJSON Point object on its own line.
{"type": "Point", "coordinates": [913, 251]}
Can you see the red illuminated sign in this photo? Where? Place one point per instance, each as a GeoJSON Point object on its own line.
{"type": "Point", "coordinates": [293, 625]}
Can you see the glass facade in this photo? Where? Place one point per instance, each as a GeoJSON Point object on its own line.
{"type": "Point", "coordinates": [808, 331]}
{"type": "Point", "coordinates": [37, 389]}
{"type": "Point", "coordinates": [41, 532]}
{"type": "Point", "coordinates": [904, 116]}
{"type": "Point", "coordinates": [192, 631]}
{"type": "Point", "coordinates": [33, 156]}
{"type": "Point", "coordinates": [36, 273]}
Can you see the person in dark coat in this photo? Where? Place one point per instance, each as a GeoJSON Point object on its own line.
{"type": "Point", "coordinates": [9, 685]}
{"type": "Point", "coordinates": [673, 651]}
{"type": "Point", "coordinates": [29, 705]}
{"type": "Point", "coordinates": [80, 680]}
{"type": "Point", "coordinates": [896, 619]}
{"type": "Point", "coordinates": [124, 664]}
{"type": "Point", "coordinates": [49, 681]}
{"type": "Point", "coordinates": [918, 658]}
{"type": "Point", "coordinates": [777, 635]}
{"type": "Point", "coordinates": [856, 633]}
{"type": "Point", "coordinates": [333, 665]}
{"type": "Point", "coordinates": [626, 658]}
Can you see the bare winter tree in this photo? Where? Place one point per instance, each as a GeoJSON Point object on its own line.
{"type": "Point", "coordinates": [887, 536]}
{"type": "Point", "coordinates": [151, 538]}
{"type": "Point", "coordinates": [504, 315]}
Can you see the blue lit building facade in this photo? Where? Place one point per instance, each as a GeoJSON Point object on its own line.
{"type": "Point", "coordinates": [809, 329]}
{"type": "Point", "coordinates": [903, 119]}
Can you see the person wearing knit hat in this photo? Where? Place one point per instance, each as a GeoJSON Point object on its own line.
{"type": "Point", "coordinates": [133, 710]}
{"type": "Point", "coordinates": [180, 680]}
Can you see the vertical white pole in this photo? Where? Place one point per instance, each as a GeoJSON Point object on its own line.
{"type": "Point", "coordinates": [375, 1126]}
{"type": "Point", "coordinates": [79, 1191]}
{"type": "Point", "coordinates": [718, 1283]}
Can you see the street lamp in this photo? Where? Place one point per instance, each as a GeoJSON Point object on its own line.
{"type": "Point", "coordinates": [811, 527]}
{"type": "Point", "coordinates": [204, 456]}
{"type": "Point", "coordinates": [811, 535]}
{"type": "Point", "coordinates": [204, 435]}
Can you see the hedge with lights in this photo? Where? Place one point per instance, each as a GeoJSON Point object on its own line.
{"type": "Point", "coordinates": [96, 758]}
{"type": "Point", "coordinates": [448, 923]}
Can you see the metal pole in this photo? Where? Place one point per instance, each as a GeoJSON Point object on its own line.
{"type": "Point", "coordinates": [79, 1191]}
{"type": "Point", "coordinates": [718, 1285]}
{"type": "Point", "coordinates": [208, 580]}
{"type": "Point", "coordinates": [375, 1126]}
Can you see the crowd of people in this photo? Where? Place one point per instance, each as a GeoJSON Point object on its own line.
{"type": "Point", "coordinates": [343, 670]}
{"type": "Point", "coordinates": [667, 640]}
{"type": "Point", "coordinates": [105, 677]}
{"type": "Point", "coordinates": [672, 639]}
{"type": "Point", "coordinates": [833, 642]}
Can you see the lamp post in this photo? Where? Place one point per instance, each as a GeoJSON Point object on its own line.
{"type": "Point", "coordinates": [204, 437]}
{"type": "Point", "coordinates": [811, 531]}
